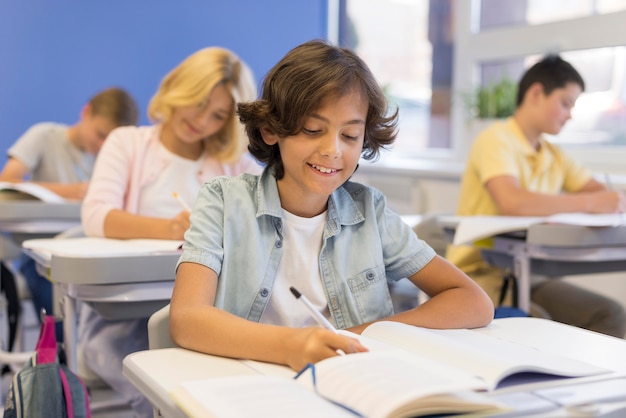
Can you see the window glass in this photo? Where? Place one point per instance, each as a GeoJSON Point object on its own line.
{"type": "Point", "coordinates": [498, 13]}
{"type": "Point", "coordinates": [408, 46]}
{"type": "Point", "coordinates": [599, 116]}
{"type": "Point", "coordinates": [416, 49]}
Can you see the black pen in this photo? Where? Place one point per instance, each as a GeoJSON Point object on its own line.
{"type": "Point", "coordinates": [314, 312]}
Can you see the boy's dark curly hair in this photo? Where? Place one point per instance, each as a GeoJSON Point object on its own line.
{"type": "Point", "coordinates": [296, 87]}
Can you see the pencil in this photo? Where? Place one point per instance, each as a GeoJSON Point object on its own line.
{"type": "Point", "coordinates": [184, 205]}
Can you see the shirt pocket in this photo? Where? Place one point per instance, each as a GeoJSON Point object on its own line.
{"type": "Point", "coordinates": [371, 294]}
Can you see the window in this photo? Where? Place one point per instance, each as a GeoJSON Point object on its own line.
{"type": "Point", "coordinates": [412, 60]}
{"type": "Point", "coordinates": [429, 54]}
{"type": "Point", "coordinates": [599, 117]}
{"type": "Point", "coordinates": [593, 43]}
{"type": "Point", "coordinates": [498, 13]}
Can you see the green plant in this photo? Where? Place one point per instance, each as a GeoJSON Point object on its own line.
{"type": "Point", "coordinates": [494, 100]}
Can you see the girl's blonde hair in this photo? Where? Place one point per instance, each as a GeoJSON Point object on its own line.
{"type": "Point", "coordinates": [191, 82]}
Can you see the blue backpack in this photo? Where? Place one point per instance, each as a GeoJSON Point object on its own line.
{"type": "Point", "coordinates": [44, 387]}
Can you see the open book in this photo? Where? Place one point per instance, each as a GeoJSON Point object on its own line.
{"type": "Point", "coordinates": [408, 372]}
{"type": "Point", "coordinates": [378, 384]}
{"type": "Point", "coordinates": [495, 362]}
{"type": "Point", "coordinates": [28, 191]}
{"type": "Point", "coordinates": [473, 228]}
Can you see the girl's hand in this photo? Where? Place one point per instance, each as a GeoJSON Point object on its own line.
{"type": "Point", "coordinates": [178, 225]}
{"type": "Point", "coordinates": [310, 345]}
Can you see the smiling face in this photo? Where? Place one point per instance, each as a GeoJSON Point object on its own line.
{"type": "Point", "coordinates": [191, 124]}
{"type": "Point", "coordinates": [320, 158]}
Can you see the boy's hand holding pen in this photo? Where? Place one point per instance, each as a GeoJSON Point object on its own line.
{"type": "Point", "coordinates": [320, 319]}
{"type": "Point", "coordinates": [622, 201]}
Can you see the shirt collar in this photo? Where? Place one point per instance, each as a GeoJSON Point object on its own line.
{"type": "Point", "coordinates": [542, 157]}
{"type": "Point", "coordinates": [342, 209]}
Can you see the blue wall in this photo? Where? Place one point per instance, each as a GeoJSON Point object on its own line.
{"type": "Point", "coordinates": [55, 54]}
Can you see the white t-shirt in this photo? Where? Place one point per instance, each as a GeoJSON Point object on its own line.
{"type": "Point", "coordinates": [299, 267]}
{"type": "Point", "coordinates": [179, 176]}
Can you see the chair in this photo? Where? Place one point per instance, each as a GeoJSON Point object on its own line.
{"type": "Point", "coordinates": [159, 335]}
{"type": "Point", "coordinates": [429, 230]}
{"type": "Point", "coordinates": [159, 329]}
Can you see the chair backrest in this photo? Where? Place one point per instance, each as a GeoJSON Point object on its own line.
{"type": "Point", "coordinates": [159, 329]}
{"type": "Point", "coordinates": [429, 230]}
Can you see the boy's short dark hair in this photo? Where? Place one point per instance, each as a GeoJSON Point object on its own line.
{"type": "Point", "coordinates": [116, 104]}
{"type": "Point", "coordinates": [552, 72]}
{"type": "Point", "coordinates": [296, 86]}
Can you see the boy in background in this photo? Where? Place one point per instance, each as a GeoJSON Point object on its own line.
{"type": "Point", "coordinates": [513, 170]}
{"type": "Point", "coordinates": [61, 158]}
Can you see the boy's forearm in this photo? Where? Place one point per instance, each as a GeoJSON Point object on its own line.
{"type": "Point", "coordinates": [214, 331]}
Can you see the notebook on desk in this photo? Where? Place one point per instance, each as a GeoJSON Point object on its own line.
{"type": "Point", "coordinates": [28, 191]}
{"type": "Point", "coordinates": [469, 229]}
{"type": "Point", "coordinates": [409, 371]}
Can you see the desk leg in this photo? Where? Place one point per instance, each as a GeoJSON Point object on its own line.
{"type": "Point", "coordinates": [522, 273]}
{"type": "Point", "coordinates": [70, 337]}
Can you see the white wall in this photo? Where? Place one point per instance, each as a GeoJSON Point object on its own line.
{"type": "Point", "coordinates": [431, 190]}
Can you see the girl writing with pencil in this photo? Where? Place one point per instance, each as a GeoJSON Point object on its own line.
{"type": "Point", "coordinates": [145, 176]}
{"type": "Point", "coordinates": [302, 224]}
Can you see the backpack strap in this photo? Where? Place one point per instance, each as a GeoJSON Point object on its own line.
{"type": "Point", "coordinates": [509, 280]}
{"type": "Point", "coordinates": [9, 288]}
{"type": "Point", "coordinates": [75, 394]}
{"type": "Point", "coordinates": [47, 344]}
{"type": "Point", "coordinates": [67, 394]}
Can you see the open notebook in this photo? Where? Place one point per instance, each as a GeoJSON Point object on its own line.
{"type": "Point", "coordinates": [28, 191]}
{"type": "Point", "coordinates": [473, 228]}
{"type": "Point", "coordinates": [409, 371]}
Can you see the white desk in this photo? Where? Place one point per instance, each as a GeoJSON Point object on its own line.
{"type": "Point", "coordinates": [118, 287]}
{"type": "Point", "coordinates": [554, 250]}
{"type": "Point", "coordinates": [157, 372]}
{"type": "Point", "coordinates": [25, 219]}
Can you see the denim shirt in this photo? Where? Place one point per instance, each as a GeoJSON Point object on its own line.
{"type": "Point", "coordinates": [237, 231]}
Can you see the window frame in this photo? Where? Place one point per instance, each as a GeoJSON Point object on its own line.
{"type": "Point", "coordinates": [473, 47]}
{"type": "Point", "coordinates": [500, 43]}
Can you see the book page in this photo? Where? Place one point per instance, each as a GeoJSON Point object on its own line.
{"type": "Point", "coordinates": [98, 247]}
{"type": "Point", "coordinates": [480, 355]}
{"type": "Point", "coordinates": [474, 228]}
{"type": "Point", "coordinates": [26, 190]}
{"type": "Point", "coordinates": [393, 383]}
{"type": "Point", "coordinates": [252, 396]}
